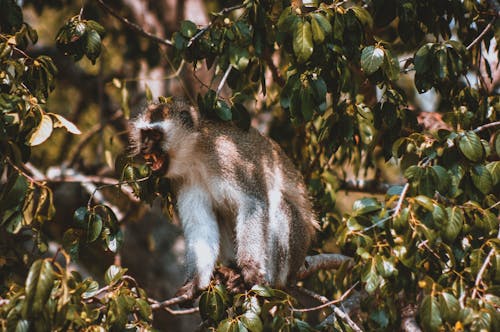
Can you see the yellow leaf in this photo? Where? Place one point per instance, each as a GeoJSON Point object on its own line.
{"type": "Point", "coordinates": [43, 131]}
{"type": "Point", "coordinates": [63, 122]}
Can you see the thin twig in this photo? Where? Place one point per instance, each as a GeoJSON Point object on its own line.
{"type": "Point", "coordinates": [335, 309]}
{"type": "Point", "coordinates": [170, 302]}
{"type": "Point", "coordinates": [327, 304]}
{"type": "Point", "coordinates": [223, 80]}
{"type": "Point", "coordinates": [483, 268]}
{"type": "Point", "coordinates": [486, 126]}
{"type": "Point", "coordinates": [209, 25]}
{"type": "Point", "coordinates": [134, 26]}
{"type": "Point", "coordinates": [482, 34]}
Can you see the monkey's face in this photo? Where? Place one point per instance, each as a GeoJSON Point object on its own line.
{"type": "Point", "coordinates": [151, 148]}
{"type": "Point", "coordinates": [160, 131]}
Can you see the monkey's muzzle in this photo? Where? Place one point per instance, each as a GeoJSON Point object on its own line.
{"type": "Point", "coordinates": [157, 162]}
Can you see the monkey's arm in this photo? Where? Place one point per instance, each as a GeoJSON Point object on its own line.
{"type": "Point", "coordinates": [201, 233]}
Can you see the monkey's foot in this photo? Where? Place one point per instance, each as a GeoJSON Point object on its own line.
{"type": "Point", "coordinates": [190, 292]}
{"type": "Point", "coordinates": [231, 279]}
{"type": "Point", "coordinates": [252, 275]}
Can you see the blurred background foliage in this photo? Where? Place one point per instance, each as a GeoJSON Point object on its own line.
{"type": "Point", "coordinates": [390, 108]}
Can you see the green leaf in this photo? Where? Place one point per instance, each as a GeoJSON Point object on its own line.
{"type": "Point", "coordinates": [371, 59]}
{"type": "Point", "coordinates": [39, 284]}
{"type": "Point", "coordinates": [365, 205]}
{"type": "Point", "coordinates": [144, 309]}
{"type": "Point", "coordinates": [470, 145]}
{"type": "Point", "coordinates": [317, 31]}
{"type": "Point", "coordinates": [211, 306]}
{"type": "Point", "coordinates": [91, 290]}
{"type": "Point", "coordinates": [188, 29]}
{"type": "Point", "coordinates": [430, 317]}
{"type": "Point", "coordinates": [93, 46]}
{"type": "Point", "coordinates": [94, 227]}
{"type": "Point", "coordinates": [96, 26]}
{"type": "Point", "coordinates": [370, 277]}
{"type": "Point", "coordinates": [482, 179]}
{"type": "Point", "coordinates": [252, 321]}
{"type": "Point", "coordinates": [449, 307]}
{"type": "Point", "coordinates": [323, 23]}
{"type": "Point", "coordinates": [261, 291]}
{"type": "Point", "coordinates": [454, 225]}
{"type": "Point", "coordinates": [423, 59]}
{"type": "Point", "coordinates": [302, 41]}
{"type": "Point", "coordinates": [494, 169]}
{"type": "Point", "coordinates": [113, 274]}
{"type": "Point", "coordinates": [444, 179]}
{"type": "Point", "coordinates": [385, 266]}
{"type": "Point", "coordinates": [223, 111]}
{"type": "Point", "coordinates": [80, 217]}
{"type": "Point", "coordinates": [425, 202]}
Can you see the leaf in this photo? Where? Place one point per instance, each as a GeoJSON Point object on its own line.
{"type": "Point", "coordinates": [39, 284]}
{"type": "Point", "coordinates": [322, 22]}
{"type": "Point", "coordinates": [113, 274]}
{"type": "Point", "coordinates": [449, 307]}
{"type": "Point", "coordinates": [371, 59]}
{"type": "Point", "coordinates": [94, 227]}
{"type": "Point", "coordinates": [79, 217]}
{"type": "Point", "coordinates": [470, 145]}
{"type": "Point", "coordinates": [63, 122]}
{"type": "Point", "coordinates": [370, 277]}
{"type": "Point", "coordinates": [261, 291]}
{"type": "Point", "coordinates": [188, 29]}
{"type": "Point", "coordinates": [430, 318]}
{"type": "Point", "coordinates": [365, 205]}
{"type": "Point", "coordinates": [482, 179]}
{"type": "Point", "coordinates": [43, 131]}
{"type": "Point", "coordinates": [317, 31]}
{"type": "Point", "coordinates": [494, 169]}
{"type": "Point", "coordinates": [223, 111]}
{"type": "Point", "coordinates": [425, 202]}
{"type": "Point", "coordinates": [302, 41]}
{"type": "Point", "coordinates": [454, 225]}
{"type": "Point", "coordinates": [423, 60]}
{"type": "Point", "coordinates": [93, 46]}
{"type": "Point", "coordinates": [252, 321]}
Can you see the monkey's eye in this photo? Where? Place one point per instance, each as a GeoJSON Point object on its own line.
{"type": "Point", "coordinates": [151, 134]}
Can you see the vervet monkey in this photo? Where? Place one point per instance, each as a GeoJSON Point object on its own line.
{"type": "Point", "coordinates": [239, 197]}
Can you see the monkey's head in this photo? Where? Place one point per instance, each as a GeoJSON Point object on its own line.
{"type": "Point", "coordinates": [160, 130]}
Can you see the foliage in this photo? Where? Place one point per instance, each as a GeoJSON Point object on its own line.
{"type": "Point", "coordinates": [341, 106]}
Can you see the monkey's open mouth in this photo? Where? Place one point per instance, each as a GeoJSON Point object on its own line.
{"type": "Point", "coordinates": [155, 161]}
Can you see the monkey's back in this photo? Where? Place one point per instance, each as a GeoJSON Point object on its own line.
{"type": "Point", "coordinates": [259, 166]}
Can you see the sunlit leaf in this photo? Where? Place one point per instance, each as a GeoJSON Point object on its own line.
{"type": "Point", "coordinates": [43, 131]}
{"type": "Point", "coordinates": [68, 125]}
{"type": "Point", "coordinates": [302, 41]}
{"type": "Point", "coordinates": [371, 59]}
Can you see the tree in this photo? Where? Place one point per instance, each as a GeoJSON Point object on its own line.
{"type": "Point", "coordinates": [338, 84]}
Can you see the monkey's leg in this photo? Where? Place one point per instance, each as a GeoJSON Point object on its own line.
{"type": "Point", "coordinates": [250, 242]}
{"type": "Point", "coordinates": [201, 233]}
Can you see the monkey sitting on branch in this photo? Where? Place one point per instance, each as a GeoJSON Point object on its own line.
{"type": "Point", "coordinates": [238, 196]}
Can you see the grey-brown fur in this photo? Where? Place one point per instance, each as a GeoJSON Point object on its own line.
{"type": "Point", "coordinates": [253, 199]}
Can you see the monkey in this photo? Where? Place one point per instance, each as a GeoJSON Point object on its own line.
{"type": "Point", "coordinates": [238, 196]}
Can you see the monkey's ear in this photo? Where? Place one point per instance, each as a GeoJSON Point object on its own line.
{"type": "Point", "coordinates": [190, 117]}
{"type": "Point", "coordinates": [186, 119]}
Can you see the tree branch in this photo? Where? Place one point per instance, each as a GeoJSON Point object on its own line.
{"type": "Point", "coordinates": [324, 305]}
{"type": "Point", "coordinates": [486, 262]}
{"type": "Point", "coordinates": [134, 26]}
{"type": "Point", "coordinates": [486, 126]}
{"type": "Point", "coordinates": [337, 311]}
{"type": "Point", "coordinates": [322, 262]}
